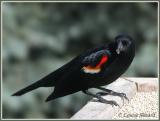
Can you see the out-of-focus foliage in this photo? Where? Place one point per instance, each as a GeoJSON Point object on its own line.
{"type": "Point", "coordinates": [40, 37]}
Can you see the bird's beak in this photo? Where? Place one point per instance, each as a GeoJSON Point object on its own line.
{"type": "Point", "coordinates": [119, 48]}
{"type": "Point", "coordinates": [118, 51]}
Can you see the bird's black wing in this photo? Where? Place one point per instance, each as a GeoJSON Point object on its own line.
{"type": "Point", "coordinates": [91, 56]}
{"type": "Point", "coordinates": [95, 57]}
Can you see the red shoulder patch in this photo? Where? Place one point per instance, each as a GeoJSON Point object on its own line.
{"type": "Point", "coordinates": [103, 60]}
{"type": "Point", "coordinates": [97, 68]}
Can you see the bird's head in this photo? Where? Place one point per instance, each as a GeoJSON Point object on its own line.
{"type": "Point", "coordinates": [124, 44]}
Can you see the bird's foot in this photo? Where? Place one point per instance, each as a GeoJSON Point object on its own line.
{"type": "Point", "coordinates": [111, 102]}
{"type": "Point", "coordinates": [102, 100]}
{"type": "Point", "coordinates": [121, 95]}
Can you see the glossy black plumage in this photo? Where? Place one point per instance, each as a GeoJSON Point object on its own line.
{"type": "Point", "coordinates": [80, 73]}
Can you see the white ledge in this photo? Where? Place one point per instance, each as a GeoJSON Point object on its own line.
{"type": "Point", "coordinates": [129, 86]}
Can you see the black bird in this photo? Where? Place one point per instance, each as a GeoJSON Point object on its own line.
{"type": "Point", "coordinates": [92, 69]}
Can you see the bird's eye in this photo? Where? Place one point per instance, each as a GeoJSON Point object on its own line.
{"type": "Point", "coordinates": [124, 42]}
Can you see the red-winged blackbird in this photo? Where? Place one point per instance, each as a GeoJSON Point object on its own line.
{"type": "Point", "coordinates": [92, 69]}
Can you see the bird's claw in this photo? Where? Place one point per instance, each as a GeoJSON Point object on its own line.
{"type": "Point", "coordinates": [123, 95]}
{"type": "Point", "coordinates": [113, 103]}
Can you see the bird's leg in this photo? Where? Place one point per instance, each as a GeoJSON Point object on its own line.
{"type": "Point", "coordinates": [110, 92]}
{"type": "Point", "coordinates": [102, 100]}
{"type": "Point", "coordinates": [102, 93]}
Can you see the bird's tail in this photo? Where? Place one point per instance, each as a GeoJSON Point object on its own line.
{"type": "Point", "coordinates": [27, 89]}
{"type": "Point", "coordinates": [46, 81]}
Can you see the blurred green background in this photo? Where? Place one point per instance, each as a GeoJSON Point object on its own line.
{"type": "Point", "coordinates": [40, 37]}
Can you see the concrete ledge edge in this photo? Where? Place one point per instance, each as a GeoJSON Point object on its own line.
{"type": "Point", "coordinates": [130, 86]}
